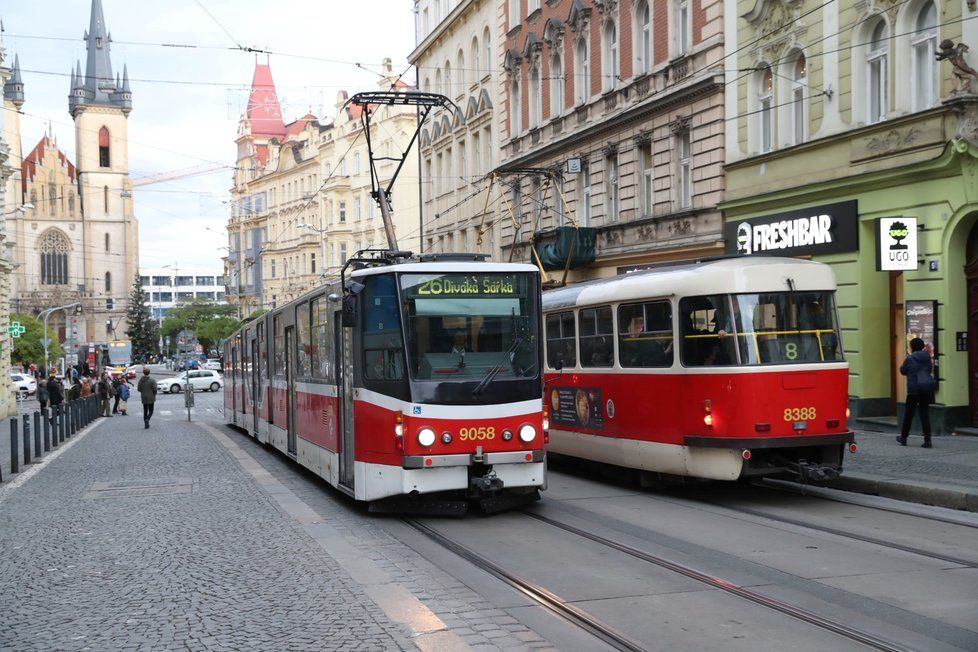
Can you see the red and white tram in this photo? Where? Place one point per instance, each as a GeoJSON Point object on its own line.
{"type": "Point", "coordinates": [720, 370]}
{"type": "Point", "coordinates": [423, 376]}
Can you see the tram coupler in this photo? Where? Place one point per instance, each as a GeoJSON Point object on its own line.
{"type": "Point", "coordinates": [486, 484]}
{"type": "Point", "coordinates": [809, 472]}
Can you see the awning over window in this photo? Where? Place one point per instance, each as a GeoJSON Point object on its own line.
{"type": "Point", "coordinates": [555, 245]}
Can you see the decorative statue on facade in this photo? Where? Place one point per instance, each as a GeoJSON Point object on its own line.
{"type": "Point", "coordinates": [963, 73]}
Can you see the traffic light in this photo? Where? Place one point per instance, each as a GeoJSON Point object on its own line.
{"type": "Point", "coordinates": [109, 304]}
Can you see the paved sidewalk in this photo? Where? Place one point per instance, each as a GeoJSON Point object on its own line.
{"type": "Point", "coordinates": [946, 475]}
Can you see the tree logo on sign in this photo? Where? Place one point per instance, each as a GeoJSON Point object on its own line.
{"type": "Point", "coordinates": [899, 232]}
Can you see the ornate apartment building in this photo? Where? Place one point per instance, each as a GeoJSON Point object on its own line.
{"type": "Point", "coordinates": [301, 201]}
{"type": "Point", "coordinates": [853, 112]}
{"type": "Point", "coordinates": [11, 83]}
{"type": "Point", "coordinates": [613, 122]}
{"type": "Point", "coordinates": [456, 56]}
{"type": "Point", "coordinates": [74, 233]}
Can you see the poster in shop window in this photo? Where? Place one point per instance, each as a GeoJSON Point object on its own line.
{"type": "Point", "coordinates": [921, 321]}
{"type": "Point", "coordinates": [580, 407]}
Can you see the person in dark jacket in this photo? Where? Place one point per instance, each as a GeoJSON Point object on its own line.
{"type": "Point", "coordinates": [42, 393]}
{"type": "Point", "coordinates": [105, 393]}
{"type": "Point", "coordinates": [116, 383]}
{"type": "Point", "coordinates": [147, 389]}
{"type": "Point", "coordinates": [56, 395]}
{"type": "Point", "coordinates": [920, 390]}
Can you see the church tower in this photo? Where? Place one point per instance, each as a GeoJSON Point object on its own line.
{"type": "Point", "coordinates": [99, 103]}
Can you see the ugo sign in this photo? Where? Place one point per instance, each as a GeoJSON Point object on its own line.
{"type": "Point", "coordinates": [896, 244]}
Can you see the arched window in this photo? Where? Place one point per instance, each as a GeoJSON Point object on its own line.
{"type": "Point", "coordinates": [460, 70]}
{"type": "Point", "coordinates": [438, 87]}
{"type": "Point", "coordinates": [106, 241]}
{"type": "Point", "coordinates": [556, 85]}
{"type": "Point", "coordinates": [108, 281]}
{"type": "Point", "coordinates": [476, 66]}
{"type": "Point", "coordinates": [799, 100]}
{"type": "Point", "coordinates": [356, 162]}
{"type": "Point", "coordinates": [105, 199]}
{"type": "Point", "coordinates": [765, 106]}
{"type": "Point", "coordinates": [34, 198]}
{"type": "Point", "coordinates": [609, 58]}
{"type": "Point", "coordinates": [514, 107]}
{"type": "Point", "coordinates": [683, 33]}
{"type": "Point", "coordinates": [925, 70]}
{"type": "Point", "coordinates": [427, 85]}
{"type": "Point", "coordinates": [52, 199]}
{"type": "Point", "coordinates": [643, 33]}
{"type": "Point", "coordinates": [450, 90]}
{"type": "Point", "coordinates": [53, 247]}
{"type": "Point", "coordinates": [487, 46]}
{"type": "Point", "coordinates": [535, 95]}
{"type": "Point", "coordinates": [582, 78]}
{"type": "Point", "coordinates": [103, 148]}
{"type": "Point", "coordinates": [876, 63]}
{"type": "Point", "coordinates": [71, 204]}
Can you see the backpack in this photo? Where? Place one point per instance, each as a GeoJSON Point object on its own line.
{"type": "Point", "coordinates": [925, 381]}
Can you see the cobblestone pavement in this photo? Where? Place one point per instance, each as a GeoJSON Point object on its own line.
{"type": "Point", "coordinates": [953, 460]}
{"type": "Point", "coordinates": [208, 563]}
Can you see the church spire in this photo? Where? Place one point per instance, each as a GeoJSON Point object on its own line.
{"type": "Point", "coordinates": [13, 90]}
{"type": "Point", "coordinates": [99, 87]}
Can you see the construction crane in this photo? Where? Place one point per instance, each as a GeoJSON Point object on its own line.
{"type": "Point", "coordinates": [178, 174]}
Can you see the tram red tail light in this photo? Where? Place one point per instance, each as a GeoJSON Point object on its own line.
{"type": "Point", "coordinates": [546, 418]}
{"type": "Point", "coordinates": [708, 413]}
{"type": "Point", "coordinates": [852, 447]}
{"type": "Point", "coordinates": [745, 454]}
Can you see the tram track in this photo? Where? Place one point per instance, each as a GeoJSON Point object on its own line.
{"type": "Point", "coordinates": [836, 627]}
{"type": "Point", "coordinates": [535, 592]}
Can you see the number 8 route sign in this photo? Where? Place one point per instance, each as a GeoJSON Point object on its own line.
{"type": "Point", "coordinates": [16, 329]}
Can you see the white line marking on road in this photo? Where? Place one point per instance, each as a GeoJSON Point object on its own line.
{"type": "Point", "coordinates": [7, 489]}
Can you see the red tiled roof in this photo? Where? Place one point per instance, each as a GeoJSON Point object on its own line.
{"type": "Point", "coordinates": [264, 111]}
{"type": "Point", "coordinates": [28, 168]}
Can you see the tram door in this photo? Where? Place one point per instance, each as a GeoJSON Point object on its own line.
{"type": "Point", "coordinates": [344, 384]}
{"type": "Point", "coordinates": [253, 379]}
{"type": "Point", "coordinates": [290, 391]}
{"type": "Point", "coordinates": [234, 384]}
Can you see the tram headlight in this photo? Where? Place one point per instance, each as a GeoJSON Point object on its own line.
{"type": "Point", "coordinates": [527, 433]}
{"type": "Point", "coordinates": [426, 436]}
{"type": "Point", "coordinates": [399, 430]}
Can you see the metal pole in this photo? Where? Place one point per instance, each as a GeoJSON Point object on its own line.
{"type": "Point", "coordinates": [385, 212]}
{"type": "Point", "coordinates": [14, 453]}
{"type": "Point", "coordinates": [27, 440]}
{"type": "Point", "coordinates": [189, 396]}
{"type": "Point", "coordinates": [45, 419]}
{"type": "Point", "coordinates": [37, 434]}
{"type": "Point", "coordinates": [61, 422]}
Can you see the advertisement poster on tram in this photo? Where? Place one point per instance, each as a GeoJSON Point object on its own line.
{"type": "Point", "coordinates": [577, 406]}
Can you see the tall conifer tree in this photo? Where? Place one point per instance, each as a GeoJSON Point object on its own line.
{"type": "Point", "coordinates": [142, 331]}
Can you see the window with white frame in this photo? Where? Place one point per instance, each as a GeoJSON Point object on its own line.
{"type": "Point", "coordinates": [609, 58]}
{"type": "Point", "coordinates": [514, 13]}
{"type": "Point", "coordinates": [611, 185]}
{"type": "Point", "coordinates": [559, 201]}
{"type": "Point", "coordinates": [476, 68]}
{"type": "Point", "coordinates": [584, 212]}
{"type": "Point", "coordinates": [450, 89]}
{"type": "Point", "coordinates": [533, 5]}
{"type": "Point", "coordinates": [684, 171]}
{"type": "Point", "coordinates": [648, 176]}
{"type": "Point", "coordinates": [460, 70]}
{"type": "Point", "coordinates": [342, 217]}
{"type": "Point", "coordinates": [643, 33]}
{"type": "Point", "coordinates": [462, 162]}
{"type": "Point", "coordinates": [356, 163]}
{"type": "Point", "coordinates": [765, 108]}
{"type": "Point", "coordinates": [535, 96]}
{"type": "Point", "coordinates": [923, 42]}
{"type": "Point", "coordinates": [514, 108]}
{"type": "Point", "coordinates": [799, 100]}
{"type": "Point", "coordinates": [683, 27]}
{"type": "Point", "coordinates": [476, 154]}
{"type": "Point", "coordinates": [487, 47]}
{"type": "Point", "coordinates": [556, 85]}
{"type": "Point", "coordinates": [582, 77]}
{"type": "Point", "coordinates": [877, 57]}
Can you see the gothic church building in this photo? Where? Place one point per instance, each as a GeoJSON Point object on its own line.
{"type": "Point", "coordinates": [74, 231]}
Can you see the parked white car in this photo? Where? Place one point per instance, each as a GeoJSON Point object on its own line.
{"type": "Point", "coordinates": [24, 383]}
{"type": "Point", "coordinates": [213, 363]}
{"type": "Point", "coordinates": [201, 380]}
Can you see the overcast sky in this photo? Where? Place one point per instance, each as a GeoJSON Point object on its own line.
{"type": "Point", "coordinates": [193, 122]}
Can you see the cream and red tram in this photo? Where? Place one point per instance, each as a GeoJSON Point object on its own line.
{"type": "Point", "coordinates": [720, 370]}
{"type": "Point", "coordinates": [423, 377]}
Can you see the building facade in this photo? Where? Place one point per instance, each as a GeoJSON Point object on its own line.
{"type": "Point", "coordinates": [75, 235]}
{"type": "Point", "coordinates": [166, 287]}
{"type": "Point", "coordinates": [455, 55]}
{"type": "Point", "coordinates": [613, 121]}
{"type": "Point", "coordinates": [12, 85]}
{"type": "Point", "coordinates": [846, 114]}
{"type": "Point", "coordinates": [301, 202]}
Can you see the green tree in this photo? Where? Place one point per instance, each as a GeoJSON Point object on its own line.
{"type": "Point", "coordinates": [186, 316]}
{"type": "Point", "coordinates": [28, 348]}
{"type": "Point", "coordinates": [142, 331]}
{"type": "Point", "coordinates": [211, 332]}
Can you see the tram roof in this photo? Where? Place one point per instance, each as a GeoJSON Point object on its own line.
{"type": "Point", "coordinates": [719, 276]}
{"type": "Point", "coordinates": [438, 267]}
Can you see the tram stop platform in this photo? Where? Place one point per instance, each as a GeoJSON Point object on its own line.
{"type": "Point", "coordinates": [193, 536]}
{"type": "Point", "coordinates": [945, 475]}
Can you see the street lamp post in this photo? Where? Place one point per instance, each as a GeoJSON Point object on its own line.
{"type": "Point", "coordinates": [46, 341]}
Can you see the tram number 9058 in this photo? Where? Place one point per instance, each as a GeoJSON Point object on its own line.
{"type": "Point", "coordinates": [799, 414]}
{"type": "Point", "coordinates": [477, 434]}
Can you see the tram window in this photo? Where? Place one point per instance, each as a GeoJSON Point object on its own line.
{"type": "Point", "coordinates": [303, 340]}
{"type": "Point", "coordinates": [645, 335]}
{"type": "Point", "coordinates": [278, 345]}
{"type": "Point", "coordinates": [597, 334]}
{"type": "Point", "coordinates": [322, 341]}
{"type": "Point", "coordinates": [561, 340]}
{"type": "Point", "coordinates": [707, 331]}
{"type": "Point", "coordinates": [262, 351]}
{"type": "Point", "coordinates": [383, 352]}
{"type": "Point", "coordinates": [787, 327]}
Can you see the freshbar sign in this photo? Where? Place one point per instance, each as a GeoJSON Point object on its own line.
{"type": "Point", "coordinates": [829, 229]}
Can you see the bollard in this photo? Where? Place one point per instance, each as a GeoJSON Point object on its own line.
{"type": "Point", "coordinates": [69, 421]}
{"type": "Point", "coordinates": [14, 456]}
{"type": "Point", "coordinates": [45, 419]}
{"type": "Point", "coordinates": [27, 440]}
{"type": "Point", "coordinates": [61, 423]}
{"type": "Point", "coordinates": [75, 418]}
{"type": "Point", "coordinates": [37, 435]}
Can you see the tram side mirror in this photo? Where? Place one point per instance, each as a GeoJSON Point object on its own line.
{"type": "Point", "coordinates": [350, 311]}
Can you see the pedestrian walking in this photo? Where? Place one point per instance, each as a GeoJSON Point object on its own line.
{"type": "Point", "coordinates": [920, 390]}
{"type": "Point", "coordinates": [42, 393]}
{"type": "Point", "coordinates": [116, 384]}
{"type": "Point", "coordinates": [104, 388]}
{"type": "Point", "coordinates": [147, 394]}
{"type": "Point", "coordinates": [124, 397]}
{"type": "Point", "coordinates": [56, 394]}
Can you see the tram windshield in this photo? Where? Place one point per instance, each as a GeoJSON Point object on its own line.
{"type": "Point", "coordinates": [470, 326]}
{"type": "Point", "coordinates": [759, 329]}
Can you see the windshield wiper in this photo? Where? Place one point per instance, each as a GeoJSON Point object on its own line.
{"type": "Point", "coordinates": [496, 369]}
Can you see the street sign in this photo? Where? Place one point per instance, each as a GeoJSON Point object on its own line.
{"type": "Point", "coordinates": [45, 341]}
{"type": "Point", "coordinates": [16, 329]}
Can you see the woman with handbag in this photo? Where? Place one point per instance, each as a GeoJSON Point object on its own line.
{"type": "Point", "coordinates": [920, 390]}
